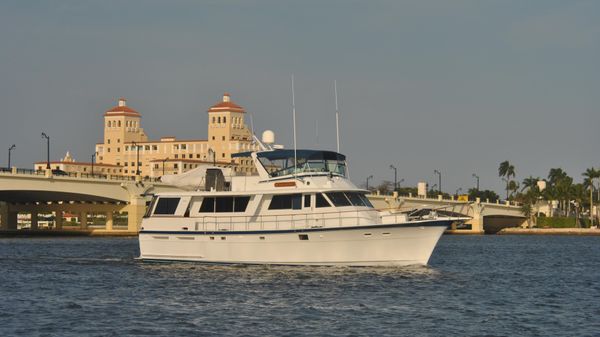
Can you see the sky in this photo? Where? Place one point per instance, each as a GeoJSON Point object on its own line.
{"type": "Point", "coordinates": [456, 86]}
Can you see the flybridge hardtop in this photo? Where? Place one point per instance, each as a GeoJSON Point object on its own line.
{"type": "Point", "coordinates": [300, 209]}
{"type": "Point", "coordinates": [280, 163]}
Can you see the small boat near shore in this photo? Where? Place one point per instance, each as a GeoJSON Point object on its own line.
{"type": "Point", "coordinates": [300, 209]}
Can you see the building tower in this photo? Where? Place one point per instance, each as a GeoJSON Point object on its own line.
{"type": "Point", "coordinates": [121, 126]}
{"type": "Point", "coordinates": [227, 129]}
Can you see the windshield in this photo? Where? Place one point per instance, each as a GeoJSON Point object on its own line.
{"type": "Point", "coordinates": [281, 163]}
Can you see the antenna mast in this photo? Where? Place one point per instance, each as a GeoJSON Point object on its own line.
{"type": "Point", "coordinates": [294, 119]}
{"type": "Point", "coordinates": [337, 116]}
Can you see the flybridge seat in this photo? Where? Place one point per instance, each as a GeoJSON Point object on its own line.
{"type": "Point", "coordinates": [280, 163]}
{"type": "Point", "coordinates": [203, 177]}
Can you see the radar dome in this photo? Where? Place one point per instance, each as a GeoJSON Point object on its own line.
{"type": "Point", "coordinates": [268, 137]}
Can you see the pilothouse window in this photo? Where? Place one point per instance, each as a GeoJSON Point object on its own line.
{"type": "Point", "coordinates": [286, 201]}
{"type": "Point", "coordinates": [321, 201]}
{"type": "Point", "coordinates": [166, 206]}
{"type": "Point", "coordinates": [338, 199]}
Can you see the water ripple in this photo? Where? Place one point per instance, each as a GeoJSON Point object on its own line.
{"type": "Point", "coordinates": [474, 286]}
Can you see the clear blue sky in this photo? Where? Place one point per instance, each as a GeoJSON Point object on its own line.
{"type": "Point", "coordinates": [457, 86]}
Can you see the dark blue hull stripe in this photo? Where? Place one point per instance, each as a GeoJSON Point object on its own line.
{"type": "Point", "coordinates": [437, 223]}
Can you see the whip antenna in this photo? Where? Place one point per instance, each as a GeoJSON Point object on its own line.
{"type": "Point", "coordinates": [337, 116]}
{"type": "Point", "coordinates": [294, 119]}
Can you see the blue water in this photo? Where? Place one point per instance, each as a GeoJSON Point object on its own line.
{"type": "Point", "coordinates": [474, 286]}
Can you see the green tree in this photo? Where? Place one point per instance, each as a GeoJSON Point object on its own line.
{"type": "Point", "coordinates": [483, 195]}
{"type": "Point", "coordinates": [529, 183]}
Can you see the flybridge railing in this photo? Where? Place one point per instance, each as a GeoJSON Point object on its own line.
{"type": "Point", "coordinates": [285, 221]}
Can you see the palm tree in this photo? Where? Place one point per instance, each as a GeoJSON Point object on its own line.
{"type": "Point", "coordinates": [530, 183]}
{"type": "Point", "coordinates": [591, 174]}
{"type": "Point", "coordinates": [507, 170]}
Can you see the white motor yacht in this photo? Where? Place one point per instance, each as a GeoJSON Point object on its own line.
{"type": "Point", "coordinates": [300, 209]}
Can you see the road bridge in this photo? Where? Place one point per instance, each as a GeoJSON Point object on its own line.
{"type": "Point", "coordinates": [42, 192]}
{"type": "Point", "coordinates": [485, 216]}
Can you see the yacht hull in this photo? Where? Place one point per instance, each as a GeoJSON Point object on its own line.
{"type": "Point", "coordinates": [376, 245]}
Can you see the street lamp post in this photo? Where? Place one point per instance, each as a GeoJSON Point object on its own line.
{"type": "Point", "coordinates": [44, 135]}
{"type": "Point", "coordinates": [137, 158]}
{"type": "Point", "coordinates": [395, 177]}
{"type": "Point", "coordinates": [369, 177]}
{"type": "Point", "coordinates": [439, 180]}
{"type": "Point", "coordinates": [9, 150]}
{"type": "Point", "coordinates": [163, 164]}
{"type": "Point", "coordinates": [214, 156]}
{"type": "Point", "coordinates": [93, 159]}
{"type": "Point", "coordinates": [476, 177]}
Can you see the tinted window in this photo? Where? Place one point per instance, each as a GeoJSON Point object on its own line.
{"type": "Point", "coordinates": [307, 200]}
{"type": "Point", "coordinates": [224, 204]}
{"type": "Point", "coordinates": [366, 200]}
{"type": "Point", "coordinates": [166, 206]}
{"type": "Point", "coordinates": [240, 204]}
{"type": "Point", "coordinates": [208, 205]}
{"type": "Point", "coordinates": [355, 199]}
{"type": "Point", "coordinates": [338, 199]}
{"type": "Point", "coordinates": [286, 201]}
{"type": "Point", "coordinates": [321, 201]}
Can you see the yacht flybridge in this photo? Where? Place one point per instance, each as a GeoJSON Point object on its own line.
{"type": "Point", "coordinates": [300, 209]}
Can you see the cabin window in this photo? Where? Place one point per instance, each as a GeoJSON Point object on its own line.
{"type": "Point", "coordinates": [338, 199]}
{"type": "Point", "coordinates": [240, 204]}
{"type": "Point", "coordinates": [224, 204]}
{"type": "Point", "coordinates": [166, 206]}
{"type": "Point", "coordinates": [307, 201]}
{"type": "Point", "coordinates": [303, 236]}
{"type": "Point", "coordinates": [366, 200]}
{"type": "Point", "coordinates": [286, 201]}
{"type": "Point", "coordinates": [321, 201]}
{"type": "Point", "coordinates": [355, 199]}
{"type": "Point", "coordinates": [150, 207]}
{"type": "Point", "coordinates": [208, 205]}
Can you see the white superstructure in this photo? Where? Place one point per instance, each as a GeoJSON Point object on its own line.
{"type": "Point", "coordinates": [296, 212]}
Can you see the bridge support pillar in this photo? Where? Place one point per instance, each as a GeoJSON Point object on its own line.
{"type": "Point", "coordinates": [58, 219]}
{"type": "Point", "coordinates": [83, 220]}
{"type": "Point", "coordinates": [8, 219]}
{"type": "Point", "coordinates": [34, 220]}
{"type": "Point", "coordinates": [109, 220]}
{"type": "Point", "coordinates": [135, 213]}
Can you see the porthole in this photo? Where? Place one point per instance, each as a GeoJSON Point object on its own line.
{"type": "Point", "coordinates": [367, 234]}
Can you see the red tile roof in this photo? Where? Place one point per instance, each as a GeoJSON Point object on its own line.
{"type": "Point", "coordinates": [226, 105]}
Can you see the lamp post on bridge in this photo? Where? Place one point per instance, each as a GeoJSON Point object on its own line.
{"type": "Point", "coordinates": [369, 177]}
{"type": "Point", "coordinates": [163, 165]}
{"type": "Point", "coordinates": [44, 135]}
{"type": "Point", "coordinates": [395, 177]}
{"type": "Point", "coordinates": [93, 159]}
{"type": "Point", "coordinates": [476, 177]}
{"type": "Point", "coordinates": [439, 180]}
{"type": "Point", "coordinates": [9, 150]}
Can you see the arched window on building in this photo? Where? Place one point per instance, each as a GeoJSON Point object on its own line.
{"type": "Point", "coordinates": [224, 119]}
{"type": "Point", "coordinates": [219, 119]}
{"type": "Point", "coordinates": [119, 123]}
